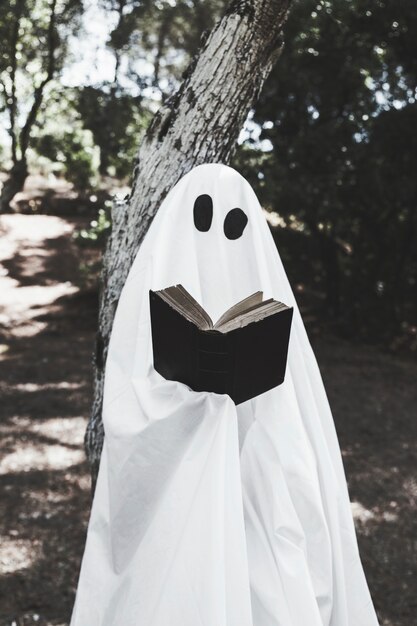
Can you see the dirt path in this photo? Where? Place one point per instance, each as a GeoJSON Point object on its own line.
{"type": "Point", "coordinates": [47, 327]}
{"type": "Point", "coordinates": [46, 342]}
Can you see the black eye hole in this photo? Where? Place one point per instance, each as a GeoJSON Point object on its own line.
{"type": "Point", "coordinates": [235, 223]}
{"type": "Point", "coordinates": [203, 212]}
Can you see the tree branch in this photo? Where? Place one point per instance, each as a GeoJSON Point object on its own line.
{"type": "Point", "coordinates": [39, 91]}
{"type": "Point", "coordinates": [117, 53]}
{"type": "Point", "coordinates": [11, 98]}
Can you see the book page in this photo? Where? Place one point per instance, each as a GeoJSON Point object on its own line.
{"type": "Point", "coordinates": [250, 309]}
{"type": "Point", "coordinates": [255, 299]}
{"type": "Point", "coordinates": [183, 302]}
{"type": "Point", "coordinates": [256, 313]}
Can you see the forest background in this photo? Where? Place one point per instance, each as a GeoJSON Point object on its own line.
{"type": "Point", "coordinates": [330, 148]}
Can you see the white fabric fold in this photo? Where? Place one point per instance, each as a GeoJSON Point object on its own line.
{"type": "Point", "coordinates": [208, 514]}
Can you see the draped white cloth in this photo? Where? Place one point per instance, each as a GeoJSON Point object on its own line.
{"type": "Point", "coordinates": [208, 514]}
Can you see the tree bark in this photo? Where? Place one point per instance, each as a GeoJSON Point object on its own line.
{"type": "Point", "coordinates": [19, 171]}
{"type": "Point", "coordinates": [199, 124]}
{"type": "Point", "coordinates": [14, 183]}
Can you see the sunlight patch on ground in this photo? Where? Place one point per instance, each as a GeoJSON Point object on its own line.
{"type": "Point", "coordinates": [26, 235]}
{"type": "Point", "coordinates": [377, 515]}
{"type": "Point", "coordinates": [29, 232]}
{"type": "Point", "coordinates": [410, 487]}
{"type": "Point", "coordinates": [62, 449]}
{"type": "Point", "coordinates": [360, 513]}
{"type": "Point", "coordinates": [39, 499]}
{"type": "Point", "coordinates": [82, 482]}
{"type": "Point", "coordinates": [31, 387]}
{"type": "Point", "coordinates": [17, 302]}
{"type": "Point", "coordinates": [17, 554]}
{"type": "Point", "coordinates": [41, 457]}
{"type": "Point", "coordinates": [69, 430]}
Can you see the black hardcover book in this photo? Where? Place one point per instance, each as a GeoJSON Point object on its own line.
{"type": "Point", "coordinates": [243, 354]}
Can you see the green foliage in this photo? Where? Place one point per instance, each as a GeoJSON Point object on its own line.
{"type": "Point", "coordinates": [95, 235]}
{"type": "Point", "coordinates": [33, 47]}
{"type": "Point", "coordinates": [338, 113]}
{"type": "Point", "coordinates": [72, 155]}
{"type": "Point", "coordinates": [117, 121]}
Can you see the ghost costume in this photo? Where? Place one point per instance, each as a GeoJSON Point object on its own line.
{"type": "Point", "coordinates": [206, 513]}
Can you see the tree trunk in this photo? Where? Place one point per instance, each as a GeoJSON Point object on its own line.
{"type": "Point", "coordinates": [13, 185]}
{"type": "Point", "coordinates": [200, 124]}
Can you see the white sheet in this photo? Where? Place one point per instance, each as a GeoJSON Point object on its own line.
{"type": "Point", "coordinates": [207, 514]}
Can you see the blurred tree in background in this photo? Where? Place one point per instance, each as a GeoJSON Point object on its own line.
{"type": "Point", "coordinates": [61, 142]}
{"type": "Point", "coordinates": [116, 120]}
{"type": "Point", "coordinates": [331, 148]}
{"type": "Point", "coordinates": [33, 38]}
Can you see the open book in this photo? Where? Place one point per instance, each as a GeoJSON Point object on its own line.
{"type": "Point", "coordinates": [250, 309]}
{"type": "Point", "coordinates": [243, 354]}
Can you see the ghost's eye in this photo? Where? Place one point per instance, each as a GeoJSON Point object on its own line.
{"type": "Point", "coordinates": [234, 223]}
{"type": "Point", "coordinates": [203, 212]}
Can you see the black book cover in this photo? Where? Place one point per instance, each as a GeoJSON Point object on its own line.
{"type": "Point", "coordinates": [242, 363]}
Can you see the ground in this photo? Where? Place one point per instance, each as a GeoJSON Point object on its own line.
{"type": "Point", "coordinates": [47, 325]}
